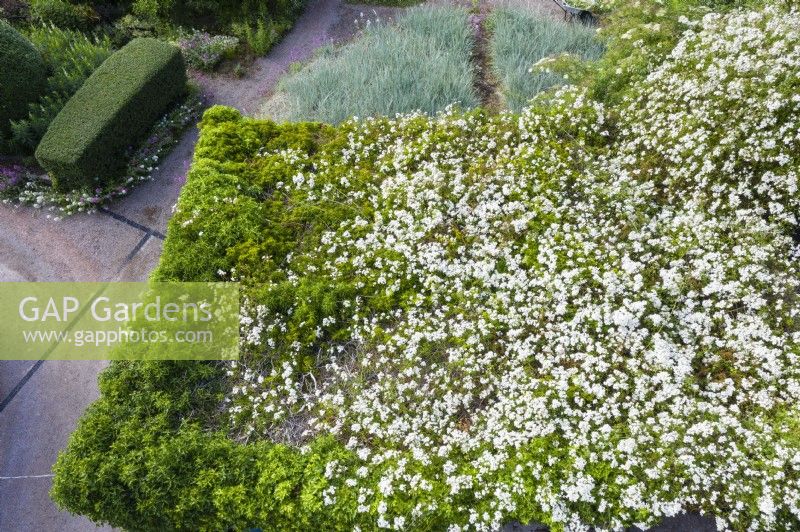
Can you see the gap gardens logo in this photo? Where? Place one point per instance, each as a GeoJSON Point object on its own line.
{"type": "Point", "coordinates": [131, 321]}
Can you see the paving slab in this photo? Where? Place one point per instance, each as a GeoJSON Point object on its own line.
{"type": "Point", "coordinates": [41, 402]}
{"type": "Point", "coordinates": [43, 416]}
{"type": "Point", "coordinates": [83, 247]}
{"type": "Point", "coordinates": [687, 522]}
{"type": "Point", "coordinates": [34, 426]}
{"type": "Point", "coordinates": [11, 372]}
{"type": "Point", "coordinates": [33, 509]}
{"type": "Point", "coordinates": [141, 265]}
{"type": "Point", "coordinates": [150, 203]}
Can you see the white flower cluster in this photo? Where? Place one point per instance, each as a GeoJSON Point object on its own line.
{"type": "Point", "coordinates": [728, 134]}
{"type": "Point", "coordinates": [582, 338]}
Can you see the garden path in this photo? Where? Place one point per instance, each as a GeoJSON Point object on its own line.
{"type": "Point", "coordinates": [325, 22]}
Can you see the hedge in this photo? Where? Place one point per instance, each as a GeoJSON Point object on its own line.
{"type": "Point", "coordinates": [86, 143]}
{"type": "Point", "coordinates": [140, 462]}
{"type": "Point", "coordinates": [24, 75]}
{"type": "Point", "coordinates": [145, 456]}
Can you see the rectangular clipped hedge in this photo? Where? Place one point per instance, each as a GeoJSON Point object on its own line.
{"type": "Point", "coordinates": [116, 106]}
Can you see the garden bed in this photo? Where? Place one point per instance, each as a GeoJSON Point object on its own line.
{"type": "Point", "coordinates": [421, 62]}
{"type": "Point", "coordinates": [581, 314]}
{"type": "Point", "coordinates": [22, 183]}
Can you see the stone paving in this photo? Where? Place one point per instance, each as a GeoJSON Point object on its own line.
{"type": "Point", "coordinates": [40, 402]}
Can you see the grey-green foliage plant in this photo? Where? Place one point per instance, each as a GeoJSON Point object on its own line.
{"type": "Point", "coordinates": [519, 39]}
{"type": "Point", "coordinates": [421, 63]}
{"type": "Point", "coordinates": [71, 57]}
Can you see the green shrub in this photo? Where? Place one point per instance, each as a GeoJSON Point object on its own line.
{"type": "Point", "coordinates": [86, 143]}
{"type": "Point", "coordinates": [226, 144]}
{"type": "Point", "coordinates": [257, 24]}
{"type": "Point", "coordinates": [129, 27]}
{"type": "Point", "coordinates": [24, 76]}
{"type": "Point", "coordinates": [70, 57]}
{"type": "Point", "coordinates": [152, 10]}
{"type": "Point", "coordinates": [261, 35]}
{"type": "Point", "coordinates": [520, 39]}
{"type": "Point", "coordinates": [154, 468]}
{"type": "Point", "coordinates": [64, 14]}
{"type": "Point", "coordinates": [421, 63]}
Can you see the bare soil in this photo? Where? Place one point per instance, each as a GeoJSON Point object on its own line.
{"type": "Point", "coordinates": [485, 82]}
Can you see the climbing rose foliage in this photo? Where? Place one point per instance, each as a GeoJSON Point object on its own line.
{"type": "Point", "coordinates": [577, 315]}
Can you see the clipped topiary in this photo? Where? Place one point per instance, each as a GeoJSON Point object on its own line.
{"type": "Point", "coordinates": [86, 144]}
{"type": "Point", "coordinates": [24, 74]}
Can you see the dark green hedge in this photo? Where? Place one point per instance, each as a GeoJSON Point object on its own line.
{"type": "Point", "coordinates": [140, 461]}
{"type": "Point", "coordinates": [23, 74]}
{"type": "Point", "coordinates": [149, 454]}
{"type": "Point", "coordinates": [87, 142]}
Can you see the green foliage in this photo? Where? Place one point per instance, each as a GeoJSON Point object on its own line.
{"type": "Point", "coordinates": [130, 27]}
{"type": "Point", "coordinates": [71, 57]}
{"type": "Point", "coordinates": [86, 144]}
{"type": "Point", "coordinates": [520, 39]}
{"type": "Point", "coordinates": [153, 467]}
{"type": "Point", "coordinates": [257, 24]}
{"type": "Point", "coordinates": [233, 231]}
{"type": "Point", "coordinates": [638, 36]}
{"type": "Point", "coordinates": [24, 78]}
{"type": "Point", "coordinates": [64, 14]}
{"type": "Point", "coordinates": [260, 35]}
{"type": "Point", "coordinates": [153, 9]}
{"type": "Point", "coordinates": [421, 63]}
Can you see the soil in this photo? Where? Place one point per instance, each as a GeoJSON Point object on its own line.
{"type": "Point", "coordinates": [485, 82]}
